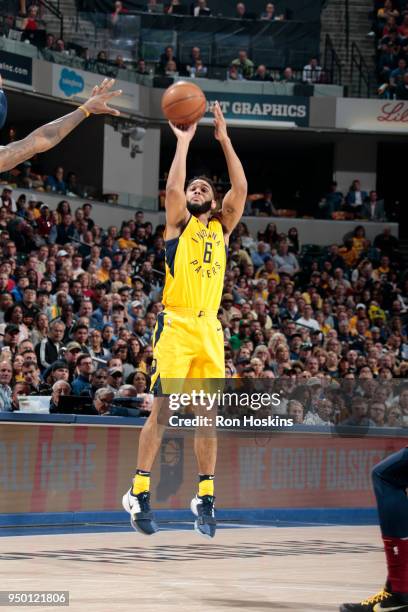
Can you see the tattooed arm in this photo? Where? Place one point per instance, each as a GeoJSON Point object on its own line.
{"type": "Point", "coordinates": [49, 135]}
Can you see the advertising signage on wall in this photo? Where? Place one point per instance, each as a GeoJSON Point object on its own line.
{"type": "Point", "coordinates": [254, 107]}
{"type": "Point", "coordinates": [372, 115]}
{"type": "Point", "coordinates": [54, 468]}
{"type": "Point", "coordinates": [16, 69]}
{"type": "Point", "coordinates": [78, 85]}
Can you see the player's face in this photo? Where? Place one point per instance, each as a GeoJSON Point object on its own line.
{"type": "Point", "coordinates": [199, 197]}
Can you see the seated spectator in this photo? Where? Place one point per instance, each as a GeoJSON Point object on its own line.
{"type": "Point", "coordinates": [387, 11]}
{"type": "Point", "coordinates": [173, 8]}
{"type": "Point", "coordinates": [119, 10]}
{"type": "Point", "coordinates": [295, 411]}
{"type": "Point", "coordinates": [102, 57]}
{"type": "Point", "coordinates": [393, 417]}
{"type": "Point", "coordinates": [373, 209]}
{"type": "Point", "coordinates": [312, 71]}
{"type": "Point", "coordinates": [170, 69]}
{"type": "Point", "coordinates": [72, 186]}
{"type": "Point", "coordinates": [270, 14]}
{"type": "Point", "coordinates": [242, 13]}
{"type": "Point", "coordinates": [377, 413]}
{"type": "Point", "coordinates": [401, 91]}
{"type": "Point", "coordinates": [262, 74]}
{"type": "Point", "coordinates": [244, 64]}
{"type": "Point", "coordinates": [397, 75]}
{"type": "Point", "coordinates": [85, 367]}
{"type": "Point", "coordinates": [359, 414]}
{"type": "Point", "coordinates": [331, 202]}
{"type": "Point", "coordinates": [55, 182]}
{"type": "Point", "coordinates": [49, 42]}
{"type": "Point", "coordinates": [233, 74]}
{"type": "Point", "coordinates": [265, 207]}
{"type": "Point", "coordinates": [120, 63]}
{"type": "Point", "coordinates": [141, 67]}
{"type": "Point", "coordinates": [323, 415]}
{"type": "Point", "coordinates": [103, 401]}
{"type": "Point", "coordinates": [386, 242]}
{"type": "Point", "coordinates": [307, 319]}
{"type": "Point", "coordinates": [403, 28]}
{"type": "Point", "coordinates": [61, 387]}
{"type": "Point", "coordinates": [355, 197]}
{"type": "Point", "coordinates": [201, 9]}
{"type": "Point", "coordinates": [288, 76]}
{"type": "Point", "coordinates": [197, 69]}
{"type": "Point", "coordinates": [6, 375]}
{"type": "Point", "coordinates": [286, 262]}
{"type": "Point", "coordinates": [165, 58]}
{"type": "Point", "coordinates": [60, 46]}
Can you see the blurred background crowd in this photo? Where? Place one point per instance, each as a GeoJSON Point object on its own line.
{"type": "Point", "coordinates": [78, 308]}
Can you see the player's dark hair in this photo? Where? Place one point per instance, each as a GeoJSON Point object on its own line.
{"type": "Point", "coordinates": [202, 177]}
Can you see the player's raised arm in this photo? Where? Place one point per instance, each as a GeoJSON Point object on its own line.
{"type": "Point", "coordinates": [234, 200]}
{"type": "Point", "coordinates": [49, 135]}
{"type": "Point", "coordinates": [176, 203]}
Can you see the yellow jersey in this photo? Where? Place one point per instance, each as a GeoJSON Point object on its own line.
{"type": "Point", "coordinates": [195, 267]}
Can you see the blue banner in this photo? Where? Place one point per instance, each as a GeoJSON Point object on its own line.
{"type": "Point", "coordinates": [16, 68]}
{"type": "Point", "coordinates": [257, 107]}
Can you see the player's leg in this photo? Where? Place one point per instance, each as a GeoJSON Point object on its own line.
{"type": "Point", "coordinates": [137, 500]}
{"type": "Point", "coordinates": [390, 480]}
{"type": "Point", "coordinates": [207, 368]}
{"type": "Point", "coordinates": [170, 365]}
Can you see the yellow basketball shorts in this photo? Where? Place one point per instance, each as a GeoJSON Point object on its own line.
{"type": "Point", "coordinates": [187, 344]}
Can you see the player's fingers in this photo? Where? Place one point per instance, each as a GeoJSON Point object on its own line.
{"type": "Point", "coordinates": [113, 111]}
{"type": "Point", "coordinates": [113, 94]}
{"type": "Point", "coordinates": [95, 91]}
{"type": "Point", "coordinates": [108, 85]}
{"type": "Point", "coordinates": [102, 86]}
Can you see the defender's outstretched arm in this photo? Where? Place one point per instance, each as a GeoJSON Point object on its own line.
{"type": "Point", "coordinates": [49, 135]}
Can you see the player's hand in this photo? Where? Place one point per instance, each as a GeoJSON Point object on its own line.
{"type": "Point", "coordinates": [219, 123]}
{"type": "Point", "coordinates": [101, 94]}
{"type": "Point", "coordinates": [1, 82]}
{"type": "Point", "coordinates": [184, 134]}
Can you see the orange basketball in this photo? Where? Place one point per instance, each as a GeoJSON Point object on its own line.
{"type": "Point", "coordinates": [183, 103]}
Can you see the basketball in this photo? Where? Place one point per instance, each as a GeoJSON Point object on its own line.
{"type": "Point", "coordinates": [183, 103]}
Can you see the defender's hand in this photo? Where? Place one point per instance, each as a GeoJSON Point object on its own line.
{"type": "Point", "coordinates": [101, 94]}
{"type": "Point", "coordinates": [219, 123]}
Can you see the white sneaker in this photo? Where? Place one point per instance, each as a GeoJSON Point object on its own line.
{"type": "Point", "coordinates": [141, 516]}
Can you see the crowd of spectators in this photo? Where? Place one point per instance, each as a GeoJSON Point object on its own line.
{"type": "Point", "coordinates": [78, 307]}
{"type": "Point", "coordinates": [32, 27]}
{"type": "Point", "coordinates": [390, 31]}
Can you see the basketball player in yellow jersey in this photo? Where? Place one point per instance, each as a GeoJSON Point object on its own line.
{"type": "Point", "coordinates": [188, 340]}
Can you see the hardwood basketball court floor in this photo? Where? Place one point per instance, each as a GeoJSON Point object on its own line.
{"type": "Point", "coordinates": [245, 568]}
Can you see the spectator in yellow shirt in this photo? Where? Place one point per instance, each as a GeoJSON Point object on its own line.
{"type": "Point", "coordinates": [270, 269]}
{"type": "Point", "coordinates": [103, 274]}
{"type": "Point", "coordinates": [125, 242]}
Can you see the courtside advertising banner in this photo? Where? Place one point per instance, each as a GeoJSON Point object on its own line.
{"type": "Point", "coordinates": [292, 110]}
{"type": "Point", "coordinates": [16, 69]}
{"type": "Point", "coordinates": [68, 468]}
{"type": "Point", "coordinates": [390, 116]}
{"type": "Point", "coordinates": [77, 85]}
